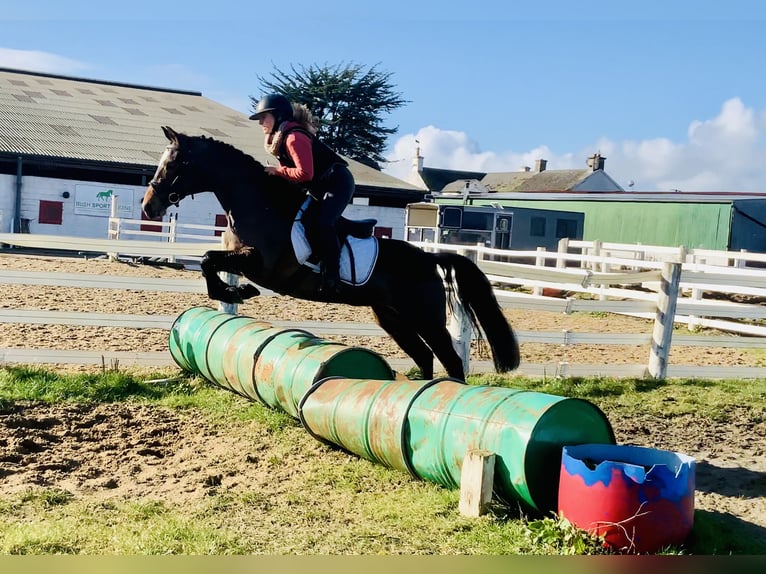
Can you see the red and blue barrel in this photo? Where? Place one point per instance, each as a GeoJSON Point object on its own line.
{"type": "Point", "coordinates": [639, 499]}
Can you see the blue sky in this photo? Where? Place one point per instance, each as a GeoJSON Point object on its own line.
{"type": "Point", "coordinates": [672, 93]}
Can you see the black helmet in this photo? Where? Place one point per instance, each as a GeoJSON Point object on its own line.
{"type": "Point", "coordinates": [277, 104]}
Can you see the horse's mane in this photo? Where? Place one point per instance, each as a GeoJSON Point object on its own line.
{"type": "Point", "coordinates": [246, 159]}
{"type": "Point", "coordinates": [282, 193]}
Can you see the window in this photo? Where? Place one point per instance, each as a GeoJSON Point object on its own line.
{"type": "Point", "coordinates": [50, 212]}
{"type": "Point", "coordinates": [148, 226]}
{"type": "Point", "coordinates": [220, 221]}
{"type": "Point", "coordinates": [477, 221]}
{"type": "Point", "coordinates": [566, 228]}
{"type": "Point", "coordinates": [381, 231]}
{"type": "Point", "coordinates": [452, 217]}
{"type": "Point", "coordinates": [537, 227]}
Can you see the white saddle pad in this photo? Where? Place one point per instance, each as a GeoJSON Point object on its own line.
{"type": "Point", "coordinates": [364, 251]}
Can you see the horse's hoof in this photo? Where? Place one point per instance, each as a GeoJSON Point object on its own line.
{"type": "Point", "coordinates": [231, 296]}
{"type": "Point", "coordinates": [248, 291]}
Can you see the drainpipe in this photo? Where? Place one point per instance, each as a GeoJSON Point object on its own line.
{"type": "Point", "coordinates": [17, 206]}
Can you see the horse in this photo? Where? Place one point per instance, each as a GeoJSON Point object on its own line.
{"type": "Point", "coordinates": [404, 287]}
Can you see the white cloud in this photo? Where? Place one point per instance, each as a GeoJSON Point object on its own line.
{"type": "Point", "coordinates": [37, 61]}
{"type": "Point", "coordinates": [724, 153]}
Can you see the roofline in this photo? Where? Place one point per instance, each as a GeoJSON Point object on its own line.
{"type": "Point", "coordinates": [625, 196]}
{"type": "Point", "coordinates": [103, 82]}
{"type": "Point", "coordinates": [92, 164]}
{"type": "Point", "coordinates": [142, 169]}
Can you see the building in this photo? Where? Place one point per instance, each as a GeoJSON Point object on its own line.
{"type": "Point", "coordinates": [592, 178]}
{"type": "Point", "coordinates": [721, 221]}
{"type": "Point", "coordinates": [703, 220]}
{"type": "Point", "coordinates": [67, 145]}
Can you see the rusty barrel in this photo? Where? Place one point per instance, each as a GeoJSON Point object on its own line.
{"type": "Point", "coordinates": [365, 417]}
{"type": "Point", "coordinates": [290, 362]}
{"type": "Point", "coordinates": [216, 345]}
{"type": "Point", "coordinates": [190, 335]}
{"type": "Point", "coordinates": [428, 427]}
{"type": "Point", "coordinates": [262, 362]}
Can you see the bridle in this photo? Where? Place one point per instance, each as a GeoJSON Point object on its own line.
{"type": "Point", "coordinates": [173, 197]}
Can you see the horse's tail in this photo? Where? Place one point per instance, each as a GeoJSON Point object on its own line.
{"type": "Point", "coordinates": [480, 304]}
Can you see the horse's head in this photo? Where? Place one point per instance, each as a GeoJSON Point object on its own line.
{"type": "Point", "coordinates": [169, 184]}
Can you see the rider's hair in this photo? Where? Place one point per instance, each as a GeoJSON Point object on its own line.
{"type": "Point", "coordinates": [305, 118]}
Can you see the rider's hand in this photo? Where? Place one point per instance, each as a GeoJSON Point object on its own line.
{"type": "Point", "coordinates": [270, 170]}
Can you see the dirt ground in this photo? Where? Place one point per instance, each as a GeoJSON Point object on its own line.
{"type": "Point", "coordinates": [128, 450]}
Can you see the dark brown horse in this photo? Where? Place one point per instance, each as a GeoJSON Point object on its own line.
{"type": "Point", "coordinates": [405, 289]}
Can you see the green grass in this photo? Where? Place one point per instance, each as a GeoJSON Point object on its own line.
{"type": "Point", "coordinates": [332, 502]}
{"type": "Point", "coordinates": [706, 398]}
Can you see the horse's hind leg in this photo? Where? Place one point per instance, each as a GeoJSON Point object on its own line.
{"type": "Point", "coordinates": [440, 341]}
{"type": "Point", "coordinates": [406, 337]}
{"type": "Point", "coordinates": [428, 317]}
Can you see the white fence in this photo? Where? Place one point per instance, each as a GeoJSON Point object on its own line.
{"type": "Point", "coordinates": [597, 278]}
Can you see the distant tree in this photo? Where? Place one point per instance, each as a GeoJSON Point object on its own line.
{"type": "Point", "coordinates": [348, 102]}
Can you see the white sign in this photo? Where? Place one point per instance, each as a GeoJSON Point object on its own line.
{"type": "Point", "coordinates": [97, 200]}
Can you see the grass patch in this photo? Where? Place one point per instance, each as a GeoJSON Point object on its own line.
{"type": "Point", "coordinates": [707, 398]}
{"type": "Point", "coordinates": [316, 499]}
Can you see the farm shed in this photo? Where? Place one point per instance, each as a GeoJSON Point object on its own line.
{"type": "Point", "coordinates": [703, 220]}
{"type": "Point", "coordinates": [68, 145]}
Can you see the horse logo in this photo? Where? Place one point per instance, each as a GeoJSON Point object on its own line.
{"type": "Point", "coordinates": [104, 194]}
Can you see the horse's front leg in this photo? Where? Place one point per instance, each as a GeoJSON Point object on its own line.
{"type": "Point", "coordinates": [215, 262]}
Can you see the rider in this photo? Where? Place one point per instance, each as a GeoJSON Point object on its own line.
{"type": "Point", "coordinates": [290, 136]}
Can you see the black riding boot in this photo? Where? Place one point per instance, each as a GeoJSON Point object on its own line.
{"type": "Point", "coordinates": [330, 253]}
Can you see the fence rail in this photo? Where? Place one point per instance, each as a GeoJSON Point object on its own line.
{"type": "Point", "coordinates": [593, 283]}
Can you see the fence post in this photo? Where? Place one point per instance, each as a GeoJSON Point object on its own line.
{"type": "Point", "coordinates": [229, 278]}
{"type": "Point", "coordinates": [537, 290]}
{"type": "Point", "coordinates": [112, 256]}
{"type": "Point", "coordinates": [694, 322]}
{"type": "Point", "coordinates": [667, 299]}
{"type": "Point", "coordinates": [740, 262]}
{"type": "Point", "coordinates": [459, 325]}
{"type": "Point", "coordinates": [563, 248]}
{"type": "Point", "coordinates": [595, 251]}
{"type": "Point", "coordinates": [172, 234]}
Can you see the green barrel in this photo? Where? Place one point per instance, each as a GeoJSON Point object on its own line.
{"type": "Point", "coordinates": [365, 417]}
{"type": "Point", "coordinates": [230, 354]}
{"type": "Point", "coordinates": [189, 337]}
{"type": "Point", "coordinates": [428, 427]}
{"type": "Point", "coordinates": [179, 334]}
{"type": "Point", "coordinates": [288, 364]}
{"type": "Point", "coordinates": [525, 430]}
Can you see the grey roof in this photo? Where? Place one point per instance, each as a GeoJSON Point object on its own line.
{"type": "Point", "coordinates": [551, 179]}
{"type": "Point", "coordinates": [45, 115]}
{"type": "Point", "coordinates": [548, 180]}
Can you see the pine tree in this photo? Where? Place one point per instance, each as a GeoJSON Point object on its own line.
{"type": "Point", "coordinates": [348, 101]}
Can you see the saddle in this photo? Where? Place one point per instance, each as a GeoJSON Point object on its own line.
{"type": "Point", "coordinates": [359, 228]}
{"type": "Point", "coordinates": [359, 249]}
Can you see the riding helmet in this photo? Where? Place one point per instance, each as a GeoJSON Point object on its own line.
{"type": "Point", "coordinates": [278, 105]}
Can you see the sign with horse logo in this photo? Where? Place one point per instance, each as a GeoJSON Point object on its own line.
{"type": "Point", "coordinates": [97, 200]}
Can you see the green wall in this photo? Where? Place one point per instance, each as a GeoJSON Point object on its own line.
{"type": "Point", "coordinates": [693, 225]}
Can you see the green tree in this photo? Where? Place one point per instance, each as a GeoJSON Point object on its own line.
{"type": "Point", "coordinates": [348, 101]}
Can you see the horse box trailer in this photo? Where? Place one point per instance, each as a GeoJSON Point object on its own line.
{"type": "Point", "coordinates": [518, 228]}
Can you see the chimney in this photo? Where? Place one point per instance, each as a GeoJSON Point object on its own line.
{"type": "Point", "coordinates": [540, 165]}
{"type": "Point", "coordinates": [417, 161]}
{"type": "Point", "coordinates": [596, 162]}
